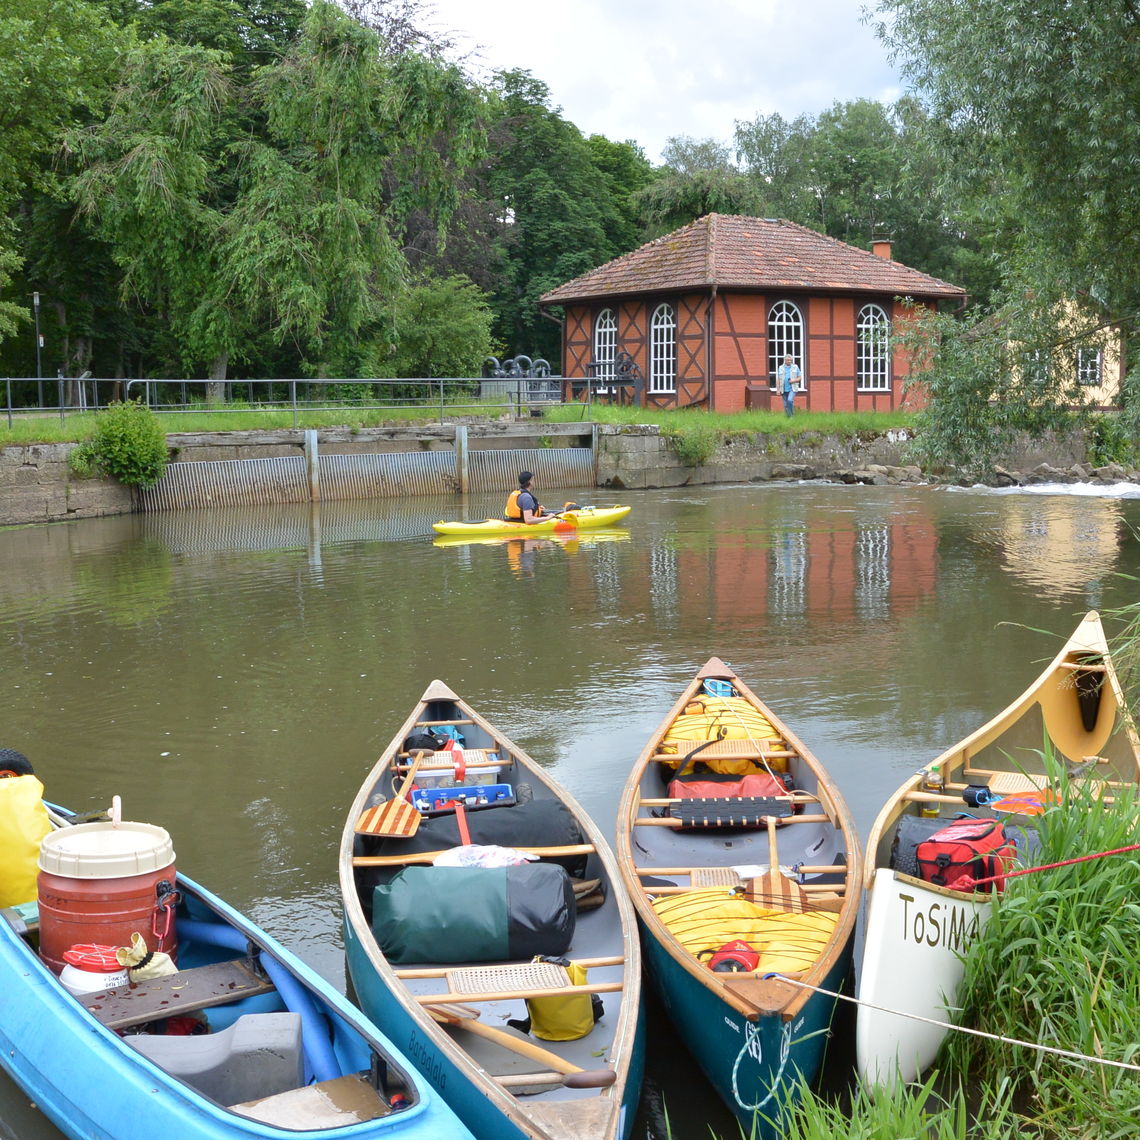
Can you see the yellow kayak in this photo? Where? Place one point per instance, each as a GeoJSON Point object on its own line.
{"type": "Point", "coordinates": [566, 522]}
{"type": "Point", "coordinates": [567, 539]}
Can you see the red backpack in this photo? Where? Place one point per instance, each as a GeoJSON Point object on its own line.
{"type": "Point", "coordinates": [966, 851]}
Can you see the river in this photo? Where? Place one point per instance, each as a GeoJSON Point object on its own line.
{"type": "Point", "coordinates": [233, 675]}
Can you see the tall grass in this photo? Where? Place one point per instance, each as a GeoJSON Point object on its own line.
{"type": "Point", "coordinates": [908, 1112]}
{"type": "Point", "coordinates": [1058, 964]}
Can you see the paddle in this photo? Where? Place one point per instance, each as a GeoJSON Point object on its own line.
{"type": "Point", "coordinates": [781, 892]}
{"type": "Point", "coordinates": [395, 818]}
{"type": "Point", "coordinates": [573, 1077]}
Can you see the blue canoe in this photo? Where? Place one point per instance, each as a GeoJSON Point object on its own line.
{"type": "Point", "coordinates": [451, 1014]}
{"type": "Point", "coordinates": [762, 878]}
{"type": "Point", "coordinates": [74, 1058]}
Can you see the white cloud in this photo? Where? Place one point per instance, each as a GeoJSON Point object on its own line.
{"type": "Point", "coordinates": [648, 70]}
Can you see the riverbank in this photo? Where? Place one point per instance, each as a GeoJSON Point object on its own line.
{"type": "Point", "coordinates": [37, 484]}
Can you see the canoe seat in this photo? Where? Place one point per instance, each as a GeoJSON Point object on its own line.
{"type": "Point", "coordinates": [198, 988]}
{"type": "Point", "coordinates": [730, 811]}
{"type": "Point", "coordinates": [1007, 783]}
{"type": "Point", "coordinates": [259, 1055]}
{"type": "Point", "coordinates": [326, 1104]}
{"type": "Point", "coordinates": [715, 877]}
{"type": "Point", "coordinates": [521, 978]}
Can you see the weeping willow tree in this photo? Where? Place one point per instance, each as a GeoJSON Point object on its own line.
{"type": "Point", "coordinates": [244, 202]}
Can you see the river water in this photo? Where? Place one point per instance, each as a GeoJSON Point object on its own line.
{"type": "Point", "coordinates": [233, 675]}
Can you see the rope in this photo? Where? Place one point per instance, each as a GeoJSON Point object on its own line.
{"type": "Point", "coordinates": [1062, 863]}
{"type": "Point", "coordinates": [752, 1033]}
{"type": "Point", "coordinates": [1051, 1049]}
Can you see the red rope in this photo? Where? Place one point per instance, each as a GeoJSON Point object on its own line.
{"type": "Point", "coordinates": [1063, 863]}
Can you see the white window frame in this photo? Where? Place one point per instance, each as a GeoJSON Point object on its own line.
{"type": "Point", "coordinates": [785, 335]}
{"type": "Point", "coordinates": [605, 349]}
{"type": "Point", "coordinates": [1090, 364]}
{"type": "Point", "coordinates": [663, 351]}
{"type": "Point", "coordinates": [873, 349]}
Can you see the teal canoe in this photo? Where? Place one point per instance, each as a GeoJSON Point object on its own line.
{"type": "Point", "coordinates": [743, 863]}
{"type": "Point", "coordinates": [457, 1004]}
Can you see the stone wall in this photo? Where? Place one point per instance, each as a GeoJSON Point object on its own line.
{"type": "Point", "coordinates": [37, 486]}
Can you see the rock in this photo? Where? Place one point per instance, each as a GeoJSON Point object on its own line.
{"type": "Point", "coordinates": [1003, 478]}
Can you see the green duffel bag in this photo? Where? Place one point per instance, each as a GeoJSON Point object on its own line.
{"type": "Point", "coordinates": [474, 914]}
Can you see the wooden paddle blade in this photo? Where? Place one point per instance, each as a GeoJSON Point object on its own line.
{"type": "Point", "coordinates": [397, 817]}
{"type": "Point", "coordinates": [777, 892]}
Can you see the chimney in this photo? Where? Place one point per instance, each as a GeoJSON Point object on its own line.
{"type": "Point", "coordinates": [881, 247]}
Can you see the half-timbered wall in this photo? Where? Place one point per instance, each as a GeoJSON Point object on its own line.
{"type": "Point", "coordinates": [738, 325]}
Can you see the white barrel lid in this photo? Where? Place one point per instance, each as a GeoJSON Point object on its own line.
{"type": "Point", "coordinates": [104, 851]}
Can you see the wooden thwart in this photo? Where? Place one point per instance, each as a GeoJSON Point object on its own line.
{"type": "Point", "coordinates": [443, 971]}
{"type": "Point", "coordinates": [509, 994]}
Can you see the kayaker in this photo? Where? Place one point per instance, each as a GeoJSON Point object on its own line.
{"type": "Point", "coordinates": [522, 506]}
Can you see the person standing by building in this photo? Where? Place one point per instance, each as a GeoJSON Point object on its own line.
{"type": "Point", "coordinates": [788, 377]}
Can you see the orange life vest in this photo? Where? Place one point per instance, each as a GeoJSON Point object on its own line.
{"type": "Point", "coordinates": [512, 510]}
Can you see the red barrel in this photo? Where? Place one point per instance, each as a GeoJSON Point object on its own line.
{"type": "Point", "coordinates": [102, 882]}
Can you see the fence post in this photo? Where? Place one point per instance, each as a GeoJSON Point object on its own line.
{"type": "Point", "coordinates": [461, 473]}
{"type": "Point", "coordinates": [293, 399]}
{"type": "Point", "coordinates": [313, 463]}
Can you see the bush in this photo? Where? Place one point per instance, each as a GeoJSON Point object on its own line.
{"type": "Point", "coordinates": [128, 444]}
{"type": "Point", "coordinates": [694, 444]}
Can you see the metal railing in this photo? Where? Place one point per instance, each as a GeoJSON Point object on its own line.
{"type": "Point", "coordinates": [454, 396]}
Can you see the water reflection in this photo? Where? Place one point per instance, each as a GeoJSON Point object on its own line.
{"type": "Point", "coordinates": [233, 674]}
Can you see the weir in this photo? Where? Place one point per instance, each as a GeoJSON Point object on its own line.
{"type": "Point", "coordinates": [316, 477]}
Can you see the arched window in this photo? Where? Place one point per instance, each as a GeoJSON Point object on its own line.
{"type": "Point", "coordinates": [785, 335]}
{"type": "Point", "coordinates": [605, 347]}
{"type": "Point", "coordinates": [873, 350]}
{"type": "Point", "coordinates": [663, 350]}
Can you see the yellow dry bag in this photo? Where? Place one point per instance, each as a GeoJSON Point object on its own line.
{"type": "Point", "coordinates": [23, 824]}
{"type": "Point", "coordinates": [564, 1018]}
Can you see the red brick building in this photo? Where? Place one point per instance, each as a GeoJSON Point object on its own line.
{"type": "Point", "coordinates": [707, 313]}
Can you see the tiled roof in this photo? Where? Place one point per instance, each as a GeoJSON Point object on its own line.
{"type": "Point", "coordinates": [736, 252]}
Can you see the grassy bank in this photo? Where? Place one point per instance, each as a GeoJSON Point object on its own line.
{"type": "Point", "coordinates": [1057, 965]}
{"type": "Point", "coordinates": [695, 425]}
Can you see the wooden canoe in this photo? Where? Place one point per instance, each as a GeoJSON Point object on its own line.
{"type": "Point", "coordinates": [754, 1033]}
{"type": "Point", "coordinates": [917, 932]}
{"type": "Point", "coordinates": [583, 1089]}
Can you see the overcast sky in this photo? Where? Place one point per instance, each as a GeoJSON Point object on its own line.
{"type": "Point", "coordinates": [647, 70]}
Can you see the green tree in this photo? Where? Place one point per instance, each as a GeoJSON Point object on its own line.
{"type": "Point", "coordinates": [238, 201]}
{"type": "Point", "coordinates": [561, 213]}
{"type": "Point", "coordinates": [699, 177]}
{"type": "Point", "coordinates": [56, 58]}
{"type": "Point", "coordinates": [443, 328]}
{"type": "Point", "coordinates": [1033, 103]}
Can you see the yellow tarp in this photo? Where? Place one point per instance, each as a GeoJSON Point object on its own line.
{"type": "Point", "coordinates": [23, 824]}
{"type": "Point", "coordinates": [709, 717]}
{"type": "Point", "coordinates": [706, 920]}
